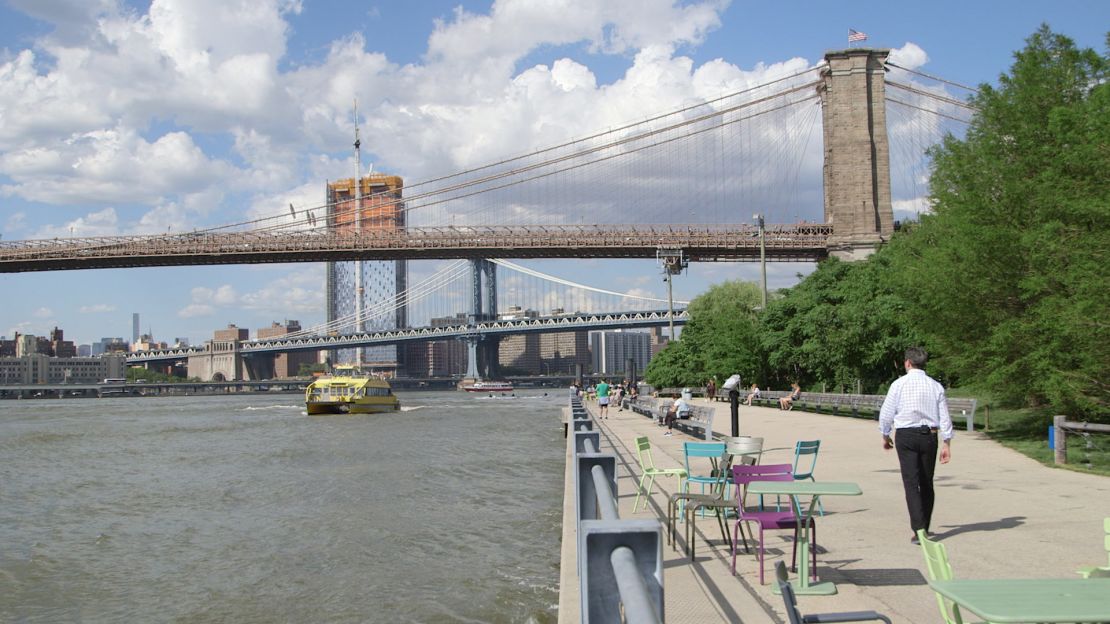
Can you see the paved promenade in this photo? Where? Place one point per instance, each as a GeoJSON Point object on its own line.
{"type": "Point", "coordinates": [999, 513]}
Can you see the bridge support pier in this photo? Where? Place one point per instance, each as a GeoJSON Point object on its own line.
{"type": "Point", "coordinates": [482, 352]}
{"type": "Point", "coordinates": [857, 153]}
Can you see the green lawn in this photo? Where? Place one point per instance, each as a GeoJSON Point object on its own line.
{"type": "Point", "coordinates": [1026, 431]}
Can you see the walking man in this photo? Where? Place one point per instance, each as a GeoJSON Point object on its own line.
{"type": "Point", "coordinates": [603, 399]}
{"type": "Point", "coordinates": [916, 408]}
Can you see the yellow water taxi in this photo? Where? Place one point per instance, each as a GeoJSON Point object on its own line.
{"type": "Point", "coordinates": [349, 391]}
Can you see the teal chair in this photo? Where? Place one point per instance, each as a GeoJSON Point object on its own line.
{"type": "Point", "coordinates": [649, 471]}
{"type": "Point", "coordinates": [1099, 571]}
{"type": "Point", "coordinates": [710, 452]}
{"type": "Point", "coordinates": [805, 460]}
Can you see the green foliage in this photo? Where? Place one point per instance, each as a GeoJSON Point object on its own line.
{"type": "Point", "coordinates": [841, 326]}
{"type": "Point", "coordinates": [1007, 278]}
{"type": "Point", "coordinates": [1005, 282]}
{"type": "Point", "coordinates": [306, 370]}
{"type": "Point", "coordinates": [721, 338]}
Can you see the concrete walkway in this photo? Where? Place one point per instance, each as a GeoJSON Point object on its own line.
{"type": "Point", "coordinates": [1000, 514]}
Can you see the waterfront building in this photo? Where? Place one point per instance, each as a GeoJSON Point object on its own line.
{"type": "Point", "coordinates": [39, 368]}
{"type": "Point", "coordinates": [611, 350]}
{"type": "Point", "coordinates": [287, 365]}
{"type": "Point", "coordinates": [381, 209]}
{"type": "Point", "coordinates": [438, 358]}
{"type": "Point", "coordinates": [221, 359]}
{"type": "Point", "coordinates": [59, 346]}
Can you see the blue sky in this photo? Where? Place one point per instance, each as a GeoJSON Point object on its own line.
{"type": "Point", "coordinates": [141, 117]}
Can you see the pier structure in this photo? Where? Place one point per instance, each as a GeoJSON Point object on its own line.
{"type": "Point", "coordinates": [982, 516]}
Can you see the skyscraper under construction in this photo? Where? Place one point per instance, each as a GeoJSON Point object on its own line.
{"type": "Point", "coordinates": [376, 206]}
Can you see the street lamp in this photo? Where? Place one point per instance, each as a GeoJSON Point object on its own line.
{"type": "Point", "coordinates": [758, 218]}
{"type": "Point", "coordinates": [673, 263]}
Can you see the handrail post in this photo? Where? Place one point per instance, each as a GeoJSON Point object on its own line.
{"type": "Point", "coordinates": [1061, 454]}
{"type": "Point", "coordinates": [620, 562]}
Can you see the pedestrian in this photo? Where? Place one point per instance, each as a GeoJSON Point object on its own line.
{"type": "Point", "coordinates": [734, 409]}
{"type": "Point", "coordinates": [620, 396]}
{"type": "Point", "coordinates": [915, 408]}
{"type": "Point", "coordinates": [711, 391]}
{"type": "Point", "coordinates": [602, 390]}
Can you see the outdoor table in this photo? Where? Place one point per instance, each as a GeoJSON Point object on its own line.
{"type": "Point", "coordinates": [1031, 600]}
{"type": "Point", "coordinates": [816, 490]}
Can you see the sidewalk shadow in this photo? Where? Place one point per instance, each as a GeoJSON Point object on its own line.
{"type": "Point", "coordinates": [872, 577]}
{"type": "Point", "coordinates": [1001, 524]}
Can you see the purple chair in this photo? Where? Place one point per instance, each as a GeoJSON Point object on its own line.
{"type": "Point", "coordinates": [742, 476]}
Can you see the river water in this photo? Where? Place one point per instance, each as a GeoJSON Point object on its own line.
{"type": "Point", "coordinates": [243, 509]}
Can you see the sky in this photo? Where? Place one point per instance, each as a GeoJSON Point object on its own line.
{"type": "Point", "coordinates": [145, 117]}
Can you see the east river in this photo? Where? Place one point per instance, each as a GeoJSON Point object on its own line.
{"type": "Point", "coordinates": [243, 509]}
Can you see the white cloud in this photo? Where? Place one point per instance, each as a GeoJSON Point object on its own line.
{"type": "Point", "coordinates": [43, 313]}
{"type": "Point", "coordinates": [97, 308]}
{"type": "Point", "coordinates": [100, 223]}
{"type": "Point", "coordinates": [15, 222]}
{"type": "Point", "coordinates": [196, 309]}
{"type": "Point", "coordinates": [910, 56]}
{"type": "Point", "coordinates": [298, 292]}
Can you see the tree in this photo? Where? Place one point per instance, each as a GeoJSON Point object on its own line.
{"type": "Point", "coordinates": [720, 339]}
{"type": "Point", "coordinates": [1007, 278]}
{"type": "Point", "coordinates": [842, 327]}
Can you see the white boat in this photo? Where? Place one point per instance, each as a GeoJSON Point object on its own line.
{"type": "Point", "coordinates": [489, 386]}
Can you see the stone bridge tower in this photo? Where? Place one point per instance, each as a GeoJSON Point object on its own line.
{"type": "Point", "coordinates": [857, 155]}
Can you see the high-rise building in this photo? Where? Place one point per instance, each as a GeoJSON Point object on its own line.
{"type": "Point", "coordinates": [611, 350]}
{"type": "Point", "coordinates": [134, 327]}
{"type": "Point", "coordinates": [381, 209]}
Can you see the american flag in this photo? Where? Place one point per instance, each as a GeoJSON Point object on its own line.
{"type": "Point", "coordinates": [855, 35]}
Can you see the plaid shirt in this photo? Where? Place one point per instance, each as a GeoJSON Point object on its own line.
{"type": "Point", "coordinates": [913, 400]}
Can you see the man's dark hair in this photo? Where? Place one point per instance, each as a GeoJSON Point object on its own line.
{"type": "Point", "coordinates": [917, 356]}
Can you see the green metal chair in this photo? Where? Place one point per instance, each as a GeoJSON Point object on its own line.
{"type": "Point", "coordinates": [647, 467]}
{"type": "Point", "coordinates": [1099, 571]}
{"type": "Point", "coordinates": [936, 562]}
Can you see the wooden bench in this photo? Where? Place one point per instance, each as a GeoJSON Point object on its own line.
{"type": "Point", "coordinates": [867, 403]}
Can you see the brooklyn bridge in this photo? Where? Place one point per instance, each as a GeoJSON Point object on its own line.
{"type": "Point", "coordinates": [717, 180]}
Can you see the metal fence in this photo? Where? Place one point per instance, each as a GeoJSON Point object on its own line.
{"type": "Point", "coordinates": [620, 562]}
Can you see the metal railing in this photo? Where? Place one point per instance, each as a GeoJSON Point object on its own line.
{"type": "Point", "coordinates": [1061, 427]}
{"type": "Point", "coordinates": [620, 562]}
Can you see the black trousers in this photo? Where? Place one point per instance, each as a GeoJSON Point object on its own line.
{"type": "Point", "coordinates": [917, 456]}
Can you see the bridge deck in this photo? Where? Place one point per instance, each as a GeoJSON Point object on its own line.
{"type": "Point", "coordinates": [807, 241]}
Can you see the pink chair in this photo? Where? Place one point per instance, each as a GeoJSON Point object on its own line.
{"type": "Point", "coordinates": [742, 476]}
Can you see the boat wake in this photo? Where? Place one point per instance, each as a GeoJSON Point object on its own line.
{"type": "Point", "coordinates": [257, 408]}
{"type": "Point", "coordinates": [411, 408]}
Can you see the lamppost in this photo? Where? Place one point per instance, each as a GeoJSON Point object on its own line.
{"type": "Point", "coordinates": [758, 218]}
{"type": "Point", "coordinates": [673, 263]}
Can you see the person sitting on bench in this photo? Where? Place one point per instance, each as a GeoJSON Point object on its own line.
{"type": "Point", "coordinates": [787, 402]}
{"type": "Point", "coordinates": [679, 409]}
{"type": "Point", "coordinates": [754, 394]}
